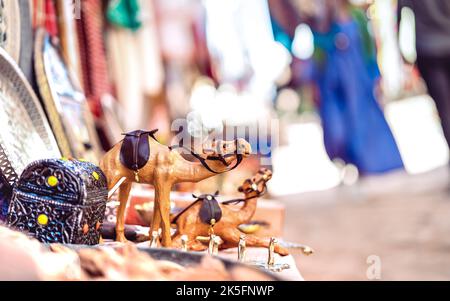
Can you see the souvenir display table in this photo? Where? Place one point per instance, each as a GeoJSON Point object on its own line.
{"type": "Point", "coordinates": [267, 210]}
{"type": "Point", "coordinates": [253, 255]}
{"type": "Point", "coordinates": [71, 196]}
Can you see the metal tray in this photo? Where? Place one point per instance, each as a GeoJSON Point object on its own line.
{"type": "Point", "coordinates": [16, 32]}
{"type": "Point", "coordinates": [64, 102]}
{"type": "Point", "coordinates": [25, 134]}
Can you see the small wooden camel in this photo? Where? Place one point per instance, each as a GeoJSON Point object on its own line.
{"type": "Point", "coordinates": [190, 224]}
{"type": "Point", "coordinates": [164, 168]}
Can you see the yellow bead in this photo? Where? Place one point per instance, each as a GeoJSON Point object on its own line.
{"type": "Point", "coordinates": [96, 175]}
{"type": "Point", "coordinates": [52, 181]}
{"type": "Point", "coordinates": [42, 220]}
{"type": "Point", "coordinates": [82, 160]}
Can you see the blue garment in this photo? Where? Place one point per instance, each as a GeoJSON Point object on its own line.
{"type": "Point", "coordinates": [355, 129]}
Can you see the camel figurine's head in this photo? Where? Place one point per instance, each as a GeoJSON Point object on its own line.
{"type": "Point", "coordinates": [227, 149]}
{"type": "Point", "coordinates": [257, 184]}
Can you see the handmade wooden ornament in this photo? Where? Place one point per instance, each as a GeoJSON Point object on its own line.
{"type": "Point", "coordinates": [164, 167]}
{"type": "Point", "coordinates": [154, 239]}
{"type": "Point", "coordinates": [213, 246]}
{"type": "Point", "coordinates": [195, 220]}
{"type": "Point", "coordinates": [271, 264]}
{"type": "Point", "coordinates": [184, 240]}
{"type": "Point", "coordinates": [271, 256]}
{"type": "Point", "coordinates": [242, 248]}
{"type": "Point", "coordinates": [60, 201]}
{"type": "Point", "coordinates": [212, 239]}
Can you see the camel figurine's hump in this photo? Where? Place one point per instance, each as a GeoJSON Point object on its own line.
{"type": "Point", "coordinates": [160, 157]}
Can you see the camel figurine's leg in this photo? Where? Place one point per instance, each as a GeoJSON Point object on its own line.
{"type": "Point", "coordinates": [196, 246]}
{"type": "Point", "coordinates": [176, 240]}
{"type": "Point", "coordinates": [231, 238]}
{"type": "Point", "coordinates": [192, 244]}
{"type": "Point", "coordinates": [124, 192]}
{"type": "Point", "coordinates": [162, 197]}
{"type": "Point", "coordinates": [156, 221]}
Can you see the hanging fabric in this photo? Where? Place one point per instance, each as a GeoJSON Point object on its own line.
{"type": "Point", "coordinates": [38, 13]}
{"type": "Point", "coordinates": [134, 58]}
{"type": "Point", "coordinates": [92, 52]}
{"type": "Point", "coordinates": [69, 37]}
{"type": "Point", "coordinates": [51, 19]}
{"type": "Point", "coordinates": [44, 15]}
{"type": "Point", "coordinates": [125, 13]}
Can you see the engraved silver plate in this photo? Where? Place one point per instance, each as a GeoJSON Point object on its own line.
{"type": "Point", "coordinates": [65, 102]}
{"type": "Point", "coordinates": [10, 28]}
{"type": "Point", "coordinates": [6, 169]}
{"type": "Point", "coordinates": [25, 134]}
{"type": "Point", "coordinates": [16, 33]}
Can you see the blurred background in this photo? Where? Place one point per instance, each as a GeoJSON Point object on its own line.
{"type": "Point", "coordinates": [356, 144]}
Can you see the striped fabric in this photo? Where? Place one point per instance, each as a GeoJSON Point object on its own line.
{"type": "Point", "coordinates": [90, 27]}
{"type": "Point", "coordinates": [51, 21]}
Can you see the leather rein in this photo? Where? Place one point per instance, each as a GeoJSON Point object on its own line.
{"type": "Point", "coordinates": [249, 190]}
{"type": "Point", "coordinates": [221, 158]}
{"type": "Point", "coordinates": [229, 202]}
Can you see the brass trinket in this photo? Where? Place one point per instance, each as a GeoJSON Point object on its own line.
{"type": "Point", "coordinates": [212, 238]}
{"type": "Point", "coordinates": [154, 240]}
{"type": "Point", "coordinates": [242, 248]}
{"type": "Point", "coordinates": [184, 241]}
{"type": "Point", "coordinates": [271, 257]}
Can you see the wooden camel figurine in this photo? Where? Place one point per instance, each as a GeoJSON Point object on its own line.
{"type": "Point", "coordinates": [190, 223]}
{"type": "Point", "coordinates": [140, 158]}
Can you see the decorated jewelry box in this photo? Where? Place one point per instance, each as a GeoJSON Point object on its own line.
{"type": "Point", "coordinates": [60, 201]}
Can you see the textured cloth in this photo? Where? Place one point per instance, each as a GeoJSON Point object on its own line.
{"type": "Point", "coordinates": [90, 27]}
{"type": "Point", "coordinates": [68, 37]}
{"type": "Point", "coordinates": [44, 15]}
{"type": "Point", "coordinates": [125, 13]}
{"type": "Point", "coordinates": [136, 66]}
{"type": "Point", "coordinates": [355, 129]}
{"type": "Point", "coordinates": [51, 22]}
{"type": "Point", "coordinates": [432, 26]}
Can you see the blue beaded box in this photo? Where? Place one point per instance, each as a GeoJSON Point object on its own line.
{"type": "Point", "coordinates": [59, 201]}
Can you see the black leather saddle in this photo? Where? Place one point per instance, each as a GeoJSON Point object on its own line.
{"type": "Point", "coordinates": [210, 212]}
{"type": "Point", "coordinates": [135, 150]}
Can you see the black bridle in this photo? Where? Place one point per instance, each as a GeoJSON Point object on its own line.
{"type": "Point", "coordinates": [247, 191]}
{"type": "Point", "coordinates": [229, 202]}
{"type": "Point", "coordinates": [220, 157]}
{"type": "Point", "coordinates": [203, 161]}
